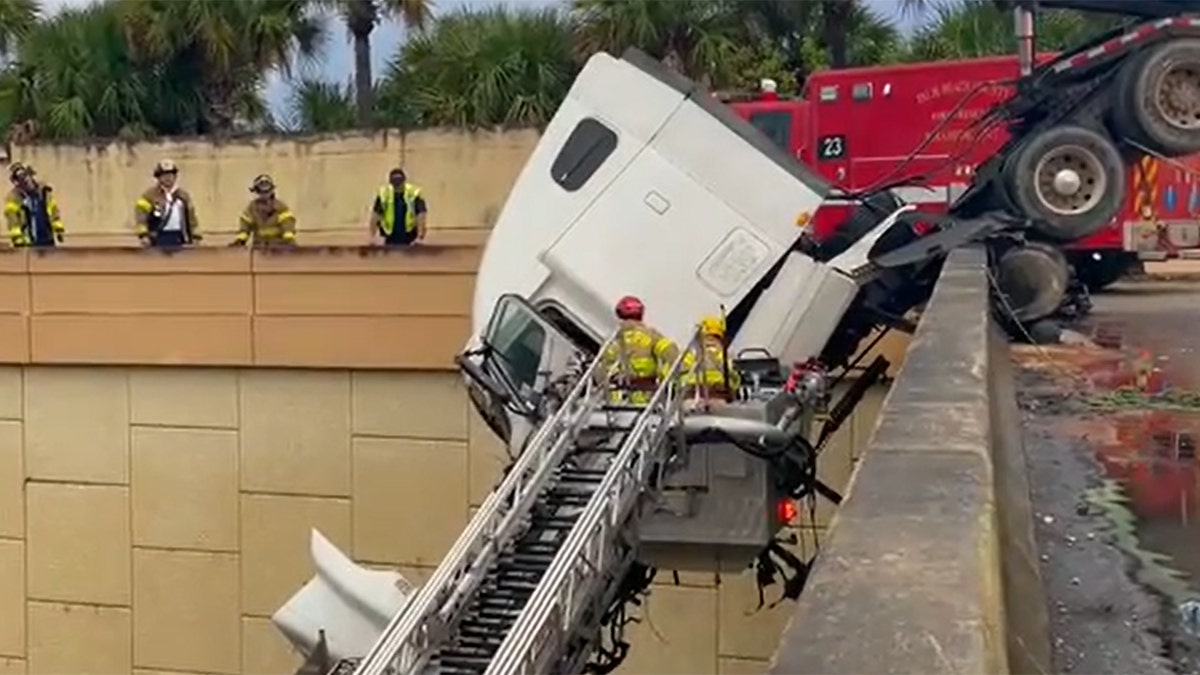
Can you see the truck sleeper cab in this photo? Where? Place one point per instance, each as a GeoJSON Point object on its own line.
{"type": "Point", "coordinates": [620, 197]}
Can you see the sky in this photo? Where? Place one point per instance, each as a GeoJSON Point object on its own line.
{"type": "Point", "coordinates": [336, 64]}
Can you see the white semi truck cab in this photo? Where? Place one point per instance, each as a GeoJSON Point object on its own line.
{"type": "Point", "coordinates": [642, 184]}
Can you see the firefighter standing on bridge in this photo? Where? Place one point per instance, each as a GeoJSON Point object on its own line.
{"type": "Point", "coordinates": [165, 213]}
{"type": "Point", "coordinates": [267, 219]}
{"type": "Point", "coordinates": [711, 378]}
{"type": "Point", "coordinates": [31, 210]}
{"type": "Point", "coordinates": [638, 358]}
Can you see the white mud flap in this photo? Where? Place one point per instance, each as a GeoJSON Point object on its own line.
{"type": "Point", "coordinates": [350, 603]}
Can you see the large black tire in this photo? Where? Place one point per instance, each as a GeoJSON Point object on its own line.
{"type": "Point", "coordinates": [1158, 98]}
{"type": "Point", "coordinates": [1068, 180]}
{"type": "Point", "coordinates": [1033, 280]}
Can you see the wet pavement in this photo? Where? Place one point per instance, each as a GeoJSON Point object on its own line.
{"type": "Point", "coordinates": [1111, 432]}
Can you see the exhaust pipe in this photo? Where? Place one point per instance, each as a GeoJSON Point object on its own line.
{"type": "Point", "coordinates": [1026, 38]}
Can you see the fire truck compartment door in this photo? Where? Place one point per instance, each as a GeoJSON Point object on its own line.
{"type": "Point", "coordinates": [795, 316]}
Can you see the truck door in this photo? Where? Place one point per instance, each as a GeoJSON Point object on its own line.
{"type": "Point", "coordinates": [521, 360]}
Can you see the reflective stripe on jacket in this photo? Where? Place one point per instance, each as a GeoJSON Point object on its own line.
{"type": "Point", "coordinates": [710, 368]}
{"type": "Point", "coordinates": [152, 211]}
{"type": "Point", "coordinates": [19, 214]}
{"type": "Point", "coordinates": [387, 202]}
{"type": "Point", "coordinates": [267, 222]}
{"type": "Point", "coordinates": [639, 353]}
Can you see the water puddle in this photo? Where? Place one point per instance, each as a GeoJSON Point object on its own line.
{"type": "Point", "coordinates": [1153, 493]}
{"type": "Point", "coordinates": [1148, 454]}
{"type": "Point", "coordinates": [1142, 420]}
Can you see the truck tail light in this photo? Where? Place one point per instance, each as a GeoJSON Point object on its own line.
{"type": "Point", "coordinates": [786, 510]}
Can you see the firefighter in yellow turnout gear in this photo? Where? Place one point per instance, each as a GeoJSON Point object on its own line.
{"type": "Point", "coordinates": [31, 210]}
{"type": "Point", "coordinates": [710, 377]}
{"type": "Point", "coordinates": [267, 220]}
{"type": "Point", "coordinates": [639, 357]}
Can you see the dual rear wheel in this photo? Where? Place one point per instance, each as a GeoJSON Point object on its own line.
{"type": "Point", "coordinates": [1070, 180]}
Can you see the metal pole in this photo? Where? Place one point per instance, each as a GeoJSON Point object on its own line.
{"type": "Point", "coordinates": [1026, 49]}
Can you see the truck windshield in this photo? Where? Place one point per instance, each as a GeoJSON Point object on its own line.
{"type": "Point", "coordinates": [775, 125]}
{"type": "Point", "coordinates": [518, 339]}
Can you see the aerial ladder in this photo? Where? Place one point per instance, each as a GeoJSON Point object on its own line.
{"type": "Point", "coordinates": [527, 583]}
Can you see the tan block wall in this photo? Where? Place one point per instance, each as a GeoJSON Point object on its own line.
{"type": "Point", "coordinates": [151, 519]}
{"type": "Point", "coordinates": [328, 180]}
{"type": "Point", "coordinates": [315, 307]}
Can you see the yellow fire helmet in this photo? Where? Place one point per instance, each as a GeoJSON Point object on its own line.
{"type": "Point", "coordinates": [713, 325]}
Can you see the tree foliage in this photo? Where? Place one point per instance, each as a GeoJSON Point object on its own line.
{"type": "Point", "coordinates": [137, 68]}
{"type": "Point", "coordinates": [361, 17]}
{"type": "Point", "coordinates": [485, 67]}
{"type": "Point", "coordinates": [976, 28]}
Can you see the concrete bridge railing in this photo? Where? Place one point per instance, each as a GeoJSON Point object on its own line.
{"type": "Point", "coordinates": [931, 565]}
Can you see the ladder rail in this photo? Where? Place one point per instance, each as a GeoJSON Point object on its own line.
{"type": "Point", "coordinates": [412, 633]}
{"type": "Point", "coordinates": [543, 629]}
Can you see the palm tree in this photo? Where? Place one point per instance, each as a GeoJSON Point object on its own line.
{"type": "Point", "coordinates": [17, 18]}
{"type": "Point", "coordinates": [230, 45]}
{"type": "Point", "coordinates": [807, 35]}
{"type": "Point", "coordinates": [694, 37]}
{"type": "Point", "coordinates": [73, 77]}
{"type": "Point", "coordinates": [477, 68]}
{"type": "Point", "coordinates": [361, 17]}
{"type": "Point", "coordinates": [321, 106]}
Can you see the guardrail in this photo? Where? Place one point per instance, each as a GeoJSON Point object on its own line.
{"type": "Point", "coordinates": [931, 565]}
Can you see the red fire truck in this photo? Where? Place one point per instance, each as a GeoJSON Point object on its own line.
{"type": "Point", "coordinates": [859, 127]}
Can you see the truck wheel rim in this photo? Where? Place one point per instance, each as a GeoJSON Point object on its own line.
{"type": "Point", "coordinates": [1177, 96]}
{"type": "Point", "coordinates": [1070, 180]}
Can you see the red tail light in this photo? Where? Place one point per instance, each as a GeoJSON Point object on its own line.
{"type": "Point", "coordinates": [786, 510]}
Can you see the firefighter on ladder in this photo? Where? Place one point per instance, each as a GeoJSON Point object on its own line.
{"type": "Point", "coordinates": [711, 378]}
{"type": "Point", "coordinates": [638, 358]}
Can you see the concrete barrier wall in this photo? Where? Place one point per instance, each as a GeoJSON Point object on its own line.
{"type": "Point", "coordinates": [329, 180]}
{"type": "Point", "coordinates": [931, 566]}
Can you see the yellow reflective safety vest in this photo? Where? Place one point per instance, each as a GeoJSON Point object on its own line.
{"type": "Point", "coordinates": [636, 361]}
{"type": "Point", "coordinates": [387, 202]}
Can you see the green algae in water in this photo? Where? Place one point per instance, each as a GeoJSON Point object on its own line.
{"type": "Point", "coordinates": [1152, 569]}
{"type": "Point", "coordinates": [1128, 398]}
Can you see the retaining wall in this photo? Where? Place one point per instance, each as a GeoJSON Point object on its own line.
{"type": "Point", "coordinates": [329, 180]}
{"type": "Point", "coordinates": [931, 565]}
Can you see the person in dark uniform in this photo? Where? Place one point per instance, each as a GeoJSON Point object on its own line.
{"type": "Point", "coordinates": [398, 215]}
